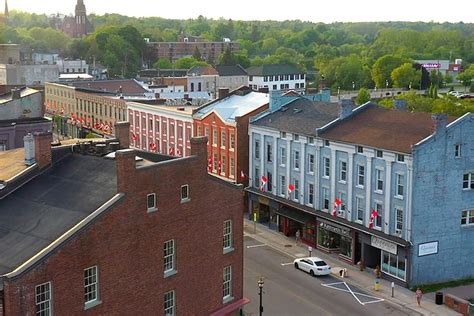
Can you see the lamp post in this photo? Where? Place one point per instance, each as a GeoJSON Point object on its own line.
{"type": "Point", "coordinates": [353, 85]}
{"type": "Point", "coordinates": [386, 84]}
{"type": "Point", "coordinates": [260, 288]}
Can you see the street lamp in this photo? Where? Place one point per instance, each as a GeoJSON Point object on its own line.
{"type": "Point", "coordinates": [260, 287]}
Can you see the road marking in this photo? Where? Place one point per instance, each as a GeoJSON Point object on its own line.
{"type": "Point", "coordinates": [354, 294]}
{"type": "Point", "coordinates": [286, 264]}
{"type": "Point", "coordinates": [255, 246]}
{"type": "Point", "coordinates": [299, 255]}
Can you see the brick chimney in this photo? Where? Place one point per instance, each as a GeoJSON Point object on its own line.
{"type": "Point", "coordinates": [43, 148]}
{"type": "Point", "coordinates": [440, 121]}
{"type": "Point", "coordinates": [199, 149]}
{"type": "Point", "coordinates": [126, 168]}
{"type": "Point", "coordinates": [223, 92]}
{"type": "Point", "coordinates": [400, 104]}
{"type": "Point", "coordinates": [345, 108]}
{"type": "Point", "coordinates": [122, 133]}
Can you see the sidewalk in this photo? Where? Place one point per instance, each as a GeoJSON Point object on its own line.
{"type": "Point", "coordinates": [362, 279]}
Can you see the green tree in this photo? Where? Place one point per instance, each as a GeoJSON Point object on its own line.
{"type": "Point", "coordinates": [189, 62]}
{"type": "Point", "coordinates": [227, 58]}
{"type": "Point", "coordinates": [363, 96]}
{"type": "Point", "coordinates": [383, 67]}
{"type": "Point", "coordinates": [163, 63]}
{"type": "Point", "coordinates": [466, 76]}
{"type": "Point", "coordinates": [269, 45]}
{"type": "Point", "coordinates": [197, 54]}
{"type": "Point", "coordinates": [405, 76]}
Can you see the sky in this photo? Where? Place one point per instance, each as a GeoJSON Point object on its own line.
{"type": "Point", "coordinates": [305, 10]}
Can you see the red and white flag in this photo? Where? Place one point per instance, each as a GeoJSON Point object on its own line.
{"type": "Point", "coordinates": [178, 152]}
{"type": "Point", "coordinates": [373, 216]}
{"type": "Point", "coordinates": [220, 167]}
{"type": "Point", "coordinates": [337, 203]}
{"type": "Point", "coordinates": [291, 188]}
{"type": "Point", "coordinates": [134, 136]}
{"type": "Point", "coordinates": [153, 146]}
{"type": "Point", "coordinates": [62, 110]}
{"type": "Point", "coordinates": [171, 151]}
{"type": "Point", "coordinates": [209, 165]}
{"type": "Point", "coordinates": [264, 183]}
{"type": "Point", "coordinates": [242, 175]}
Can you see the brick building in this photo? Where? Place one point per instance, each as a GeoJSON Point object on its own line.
{"type": "Point", "coordinates": [142, 226]}
{"type": "Point", "coordinates": [77, 25]}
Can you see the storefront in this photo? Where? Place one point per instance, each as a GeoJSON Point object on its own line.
{"type": "Point", "coordinates": [335, 238]}
{"type": "Point", "coordinates": [291, 220]}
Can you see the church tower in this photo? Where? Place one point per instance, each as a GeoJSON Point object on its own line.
{"type": "Point", "coordinates": [81, 19]}
{"type": "Point", "coordinates": [6, 14]}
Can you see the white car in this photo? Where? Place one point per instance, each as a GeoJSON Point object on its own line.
{"type": "Point", "coordinates": [312, 265]}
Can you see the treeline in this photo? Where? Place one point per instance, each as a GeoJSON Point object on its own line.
{"type": "Point", "coordinates": [347, 55]}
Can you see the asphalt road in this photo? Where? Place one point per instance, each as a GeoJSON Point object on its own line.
{"type": "Point", "coordinates": [292, 292]}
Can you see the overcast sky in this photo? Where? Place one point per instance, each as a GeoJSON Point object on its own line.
{"type": "Point", "coordinates": [306, 10]}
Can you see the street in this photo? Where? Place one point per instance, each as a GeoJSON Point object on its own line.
{"type": "Point", "coordinates": [288, 291]}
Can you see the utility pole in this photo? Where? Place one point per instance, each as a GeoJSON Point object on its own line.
{"type": "Point", "coordinates": [260, 287]}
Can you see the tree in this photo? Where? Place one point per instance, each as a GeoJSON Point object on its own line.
{"type": "Point", "coordinates": [163, 63]}
{"type": "Point", "coordinates": [188, 63]}
{"type": "Point", "coordinates": [269, 45]}
{"type": "Point", "coordinates": [227, 58]}
{"type": "Point", "coordinates": [197, 53]}
{"type": "Point", "coordinates": [363, 96]}
{"type": "Point", "coordinates": [466, 76]}
{"type": "Point", "coordinates": [383, 67]}
{"type": "Point", "coordinates": [405, 76]}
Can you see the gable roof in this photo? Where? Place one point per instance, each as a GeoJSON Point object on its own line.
{"type": "Point", "coordinates": [234, 105]}
{"type": "Point", "coordinates": [128, 86]}
{"type": "Point", "coordinates": [37, 213]}
{"type": "Point", "coordinates": [379, 127]}
{"type": "Point", "coordinates": [300, 116]}
{"type": "Point", "coordinates": [269, 70]}
{"type": "Point", "coordinates": [227, 71]}
{"type": "Point", "coordinates": [202, 71]}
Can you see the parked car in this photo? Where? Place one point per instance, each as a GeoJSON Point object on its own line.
{"type": "Point", "coordinates": [454, 93]}
{"type": "Point", "coordinates": [312, 265]}
{"type": "Point", "coordinates": [466, 96]}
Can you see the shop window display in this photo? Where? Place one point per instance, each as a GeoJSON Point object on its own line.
{"type": "Point", "coordinates": [393, 265]}
{"type": "Point", "coordinates": [309, 233]}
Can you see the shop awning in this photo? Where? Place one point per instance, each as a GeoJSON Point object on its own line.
{"type": "Point", "coordinates": [297, 216]}
{"type": "Point", "coordinates": [231, 307]}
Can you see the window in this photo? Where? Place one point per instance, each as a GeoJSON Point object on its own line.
{"type": "Point", "coordinates": [342, 171]}
{"type": "Point", "coordinates": [311, 140]}
{"type": "Point", "coordinates": [257, 178]}
{"type": "Point", "coordinates": [227, 284]}
{"type": "Point", "coordinates": [223, 166]}
{"type": "Point", "coordinates": [206, 131]}
{"type": "Point", "coordinates": [282, 185]}
{"type": "Point", "coordinates": [151, 202]}
{"type": "Point", "coordinates": [282, 86]}
{"type": "Point", "coordinates": [457, 150]}
{"type": "Point", "coordinates": [360, 208]}
{"type": "Point", "coordinates": [283, 135]}
{"type": "Point", "coordinates": [468, 181]}
{"type": "Point", "coordinates": [360, 149]}
{"type": "Point", "coordinates": [296, 160]}
{"type": "Point", "coordinates": [275, 87]}
{"type": "Point", "coordinates": [378, 219]}
{"type": "Point", "coordinates": [257, 149]}
{"type": "Point", "coordinates": [231, 141]}
{"type": "Point", "coordinates": [265, 78]}
{"type": "Point", "coordinates": [91, 285]}
{"type": "Point", "coordinates": [325, 198]}
{"type": "Point", "coordinates": [379, 180]}
{"type": "Point", "coordinates": [311, 163]}
{"type": "Point", "coordinates": [185, 192]}
{"type": "Point", "coordinates": [379, 154]}
{"type": "Point", "coordinates": [400, 158]}
{"type": "Point", "coordinates": [231, 167]}
{"type": "Point", "coordinates": [399, 221]}
{"type": "Point", "coordinates": [360, 175]}
{"type": "Point", "coordinates": [214, 136]}
{"type": "Point", "coordinates": [327, 167]}
{"type": "Point", "coordinates": [169, 304]}
{"type": "Point", "coordinates": [394, 265]}
{"type": "Point", "coordinates": [228, 234]}
{"type": "Point", "coordinates": [326, 143]}
{"type": "Point", "coordinates": [214, 163]}
{"type": "Point", "coordinates": [296, 137]}
{"type": "Point", "coordinates": [269, 184]}
{"type": "Point", "coordinates": [467, 217]}
{"type": "Point", "coordinates": [282, 156]}
{"type": "Point", "coordinates": [400, 184]}
{"type": "Point", "coordinates": [223, 139]}
{"type": "Point", "coordinates": [169, 256]}
{"type": "Point", "coordinates": [269, 153]}
{"type": "Point", "coordinates": [343, 198]}
{"type": "Point", "coordinates": [271, 78]}
{"type": "Point", "coordinates": [296, 191]}
{"type": "Point", "coordinates": [43, 299]}
{"type": "Point", "coordinates": [310, 194]}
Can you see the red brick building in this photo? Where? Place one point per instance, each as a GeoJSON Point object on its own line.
{"type": "Point", "coordinates": [138, 235]}
{"type": "Point", "coordinates": [225, 121]}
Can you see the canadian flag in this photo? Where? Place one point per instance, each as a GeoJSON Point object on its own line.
{"type": "Point", "coordinates": [153, 146]}
{"type": "Point", "coordinates": [372, 218]}
{"type": "Point", "coordinates": [178, 152]}
{"type": "Point", "coordinates": [242, 175]}
{"type": "Point", "coordinates": [101, 126]}
{"type": "Point", "coordinates": [220, 166]}
{"type": "Point", "coordinates": [171, 151]}
{"type": "Point", "coordinates": [337, 203]}
{"type": "Point", "coordinates": [291, 188]}
{"type": "Point", "coordinates": [134, 136]}
{"type": "Point", "coordinates": [264, 182]}
{"type": "Point", "coordinates": [62, 110]}
{"type": "Point", "coordinates": [209, 165]}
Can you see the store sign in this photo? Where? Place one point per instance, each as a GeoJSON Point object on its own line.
{"type": "Point", "coordinates": [432, 65]}
{"type": "Point", "coordinates": [335, 229]}
{"type": "Point", "coordinates": [383, 244]}
{"type": "Point", "coordinates": [427, 248]}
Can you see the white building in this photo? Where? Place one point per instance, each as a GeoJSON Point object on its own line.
{"type": "Point", "coordinates": [276, 78]}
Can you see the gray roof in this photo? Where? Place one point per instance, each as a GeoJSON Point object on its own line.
{"type": "Point", "coordinates": [300, 116]}
{"type": "Point", "coordinates": [39, 212]}
{"type": "Point", "coordinates": [227, 71]}
{"type": "Point", "coordinates": [269, 70]}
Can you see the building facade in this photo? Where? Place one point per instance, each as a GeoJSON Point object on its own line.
{"type": "Point", "coordinates": [277, 78]}
{"type": "Point", "coordinates": [231, 77]}
{"type": "Point", "coordinates": [162, 129]}
{"type": "Point", "coordinates": [77, 25]}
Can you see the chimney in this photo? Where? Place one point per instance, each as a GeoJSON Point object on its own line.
{"type": "Point", "coordinates": [199, 149]}
{"type": "Point", "coordinates": [125, 160]}
{"type": "Point", "coordinates": [345, 108]}
{"type": "Point", "coordinates": [122, 133]}
{"type": "Point", "coordinates": [43, 148]}
{"type": "Point", "coordinates": [440, 121]}
{"type": "Point", "coordinates": [29, 142]}
{"type": "Point", "coordinates": [400, 104]}
{"type": "Point", "coordinates": [223, 92]}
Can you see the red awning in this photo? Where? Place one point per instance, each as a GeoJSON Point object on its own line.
{"type": "Point", "coordinates": [231, 307]}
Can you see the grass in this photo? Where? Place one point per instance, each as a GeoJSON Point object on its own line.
{"type": "Point", "coordinates": [427, 288]}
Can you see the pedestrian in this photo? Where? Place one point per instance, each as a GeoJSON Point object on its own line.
{"type": "Point", "coordinates": [297, 235]}
{"type": "Point", "coordinates": [419, 294]}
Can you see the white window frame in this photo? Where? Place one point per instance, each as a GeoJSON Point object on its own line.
{"type": "Point", "coordinates": [468, 184]}
{"type": "Point", "coordinates": [342, 171]}
{"type": "Point", "coordinates": [379, 153]}
{"type": "Point", "coordinates": [223, 138]}
{"type": "Point", "coordinates": [43, 299]}
{"type": "Point", "coordinates": [269, 152]}
{"type": "Point", "coordinates": [227, 284]}
{"type": "Point", "coordinates": [257, 149]}
{"type": "Point", "coordinates": [296, 159]}
{"type": "Point", "coordinates": [325, 197]}
{"type": "Point", "coordinates": [467, 216]}
{"type": "Point", "coordinates": [379, 178]}
{"type": "Point", "coordinates": [326, 167]}
{"type": "Point", "coordinates": [457, 151]}
{"type": "Point", "coordinates": [379, 214]}
{"type": "Point", "coordinates": [153, 207]}
{"type": "Point", "coordinates": [231, 167]}
{"type": "Point", "coordinates": [214, 136]}
{"type": "Point", "coordinates": [231, 141]}
{"type": "Point", "coordinates": [311, 163]}
{"type": "Point", "coordinates": [257, 177]}
{"type": "Point", "coordinates": [310, 194]}
{"type": "Point", "coordinates": [360, 175]}
{"type": "Point", "coordinates": [398, 220]}
{"type": "Point", "coordinates": [186, 197]}
{"type": "Point", "coordinates": [296, 191]}
{"type": "Point", "coordinates": [91, 287]}
{"type": "Point", "coordinates": [283, 188]}
{"type": "Point", "coordinates": [400, 185]}
{"type": "Point", "coordinates": [360, 209]}
{"type": "Point", "coordinates": [400, 158]}
{"type": "Point", "coordinates": [169, 257]}
{"type": "Point", "coordinates": [169, 303]}
{"type": "Point", "coordinates": [228, 238]}
{"type": "Point", "coordinates": [343, 207]}
{"type": "Point", "coordinates": [282, 156]}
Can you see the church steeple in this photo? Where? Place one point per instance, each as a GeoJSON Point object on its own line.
{"type": "Point", "coordinates": [80, 8]}
{"type": "Point", "coordinates": [6, 13]}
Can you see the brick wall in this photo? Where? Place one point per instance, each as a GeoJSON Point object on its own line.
{"type": "Point", "coordinates": [43, 148]}
{"type": "Point", "coordinates": [455, 303]}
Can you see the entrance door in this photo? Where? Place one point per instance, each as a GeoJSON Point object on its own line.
{"type": "Point", "coordinates": [371, 256]}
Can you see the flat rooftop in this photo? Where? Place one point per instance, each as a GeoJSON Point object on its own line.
{"type": "Point", "coordinates": [12, 162]}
